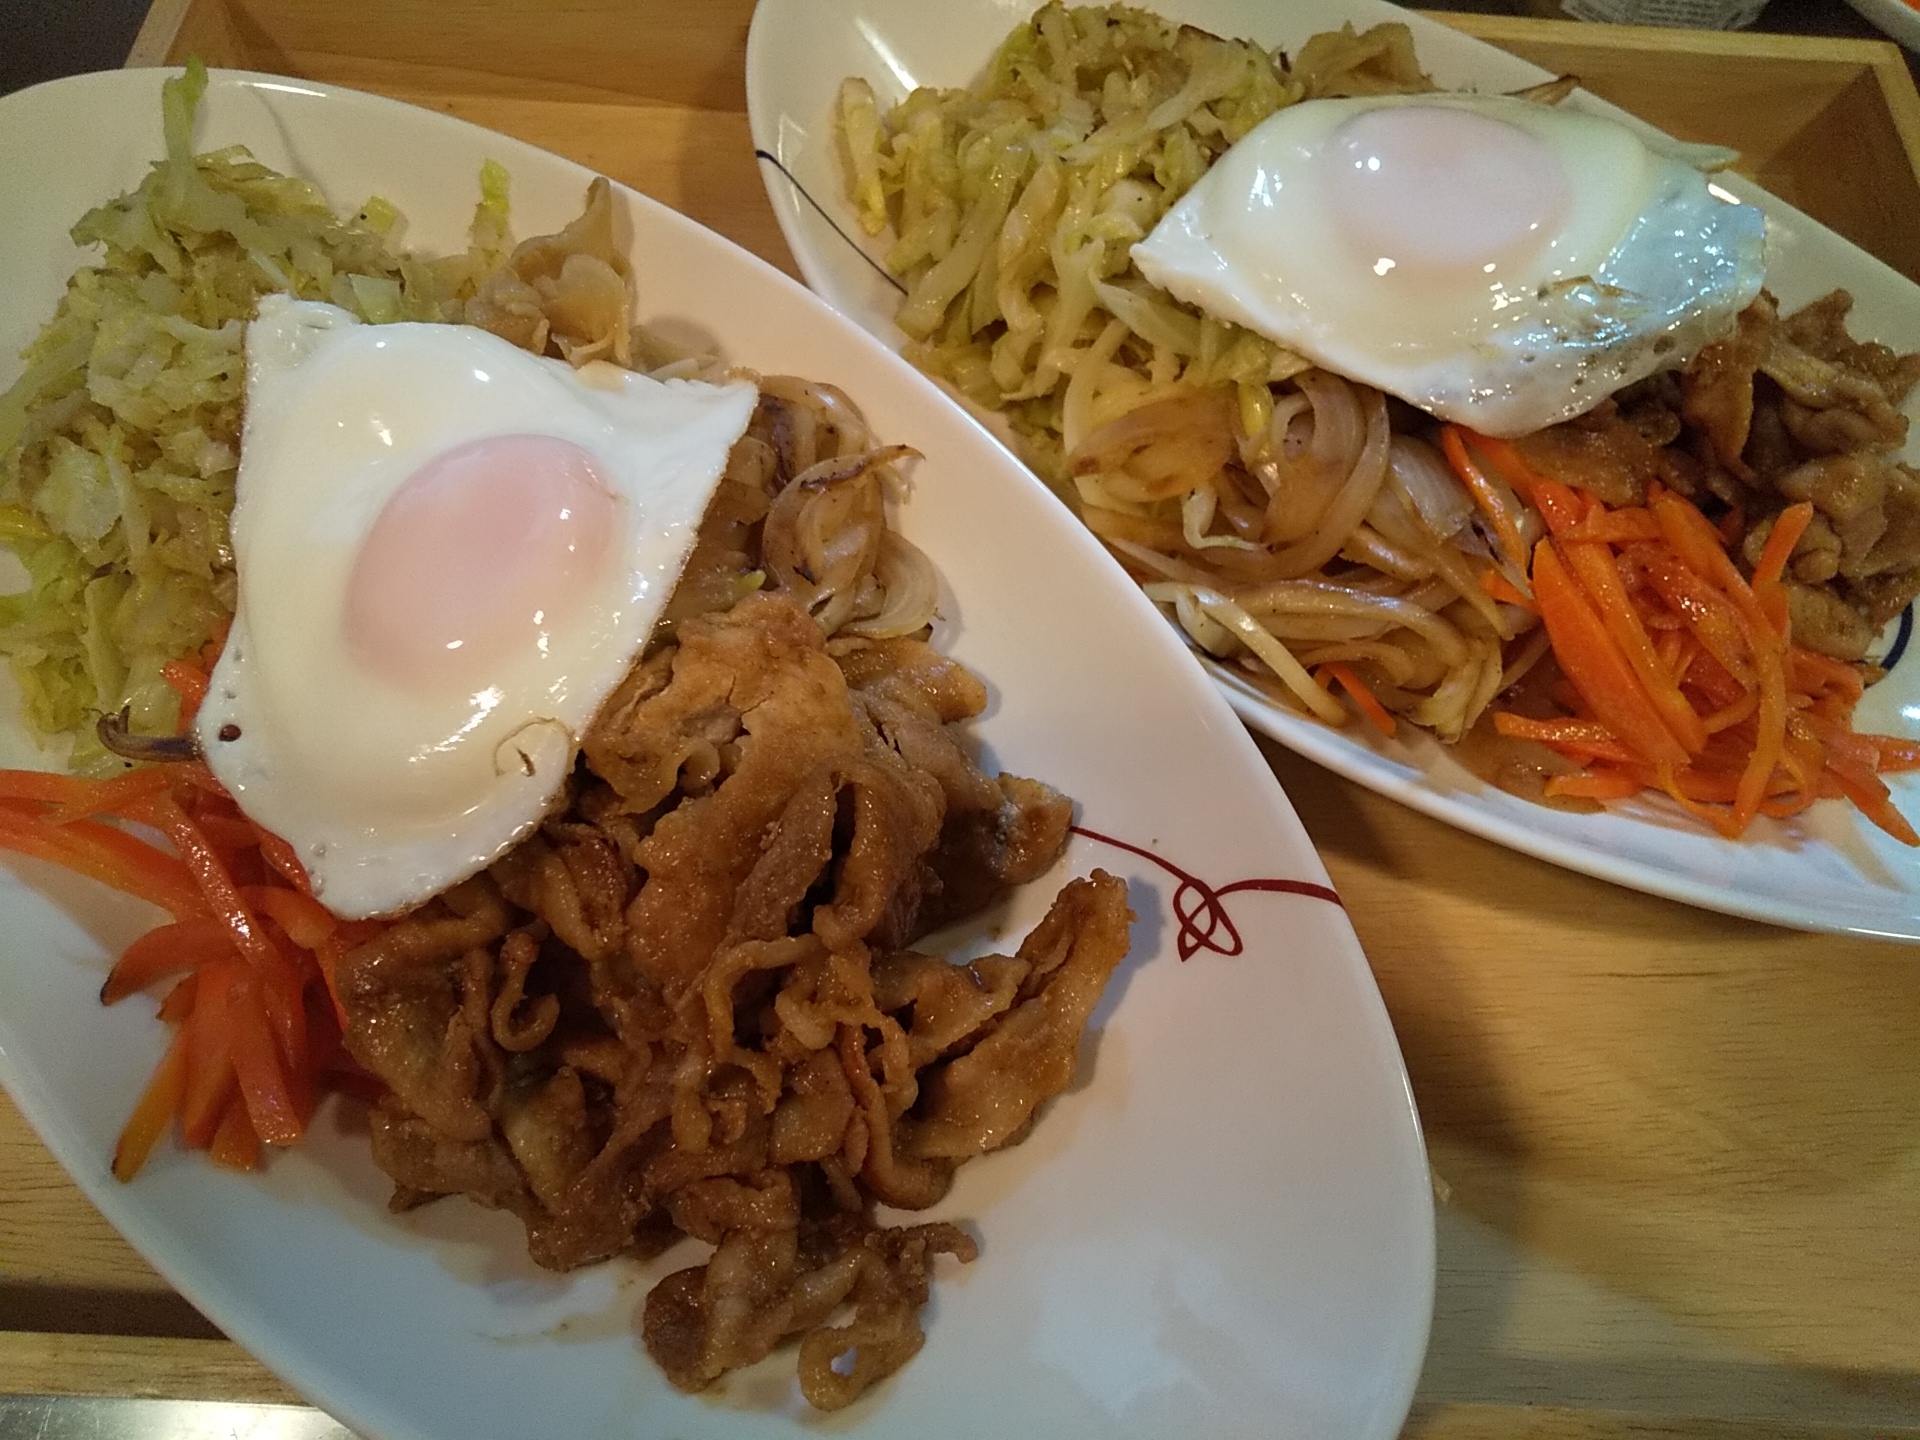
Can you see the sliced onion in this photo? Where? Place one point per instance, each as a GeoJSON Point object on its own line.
{"type": "Point", "coordinates": [1423, 477]}
{"type": "Point", "coordinates": [1351, 502]}
{"type": "Point", "coordinates": [911, 588]}
{"type": "Point", "coordinates": [1319, 597]}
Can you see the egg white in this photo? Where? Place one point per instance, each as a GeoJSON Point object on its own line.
{"type": "Point", "coordinates": [390, 792]}
{"type": "Point", "coordinates": [1649, 265]}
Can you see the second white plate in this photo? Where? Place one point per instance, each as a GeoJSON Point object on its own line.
{"type": "Point", "coordinates": [1827, 870]}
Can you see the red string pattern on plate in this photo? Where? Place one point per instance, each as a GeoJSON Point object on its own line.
{"type": "Point", "coordinates": [1204, 921]}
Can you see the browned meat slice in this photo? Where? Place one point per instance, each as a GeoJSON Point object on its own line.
{"type": "Point", "coordinates": [1821, 330]}
{"type": "Point", "coordinates": [982, 852]}
{"type": "Point", "coordinates": [425, 1163]}
{"type": "Point", "coordinates": [1717, 392]}
{"type": "Point", "coordinates": [765, 661]}
{"type": "Point", "coordinates": [988, 1096]}
{"type": "Point", "coordinates": [1828, 409]}
{"type": "Point", "coordinates": [418, 1008]}
{"type": "Point", "coordinates": [1612, 451]}
{"type": "Point", "coordinates": [762, 1286]}
{"type": "Point", "coordinates": [1850, 491]}
{"type": "Point", "coordinates": [1823, 621]}
{"type": "Point", "coordinates": [912, 672]}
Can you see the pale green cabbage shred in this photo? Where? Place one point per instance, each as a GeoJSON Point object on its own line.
{"type": "Point", "coordinates": [119, 443]}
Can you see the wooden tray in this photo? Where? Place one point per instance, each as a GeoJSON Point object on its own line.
{"type": "Point", "coordinates": [1682, 1152]}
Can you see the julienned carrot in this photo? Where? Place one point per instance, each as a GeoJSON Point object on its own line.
{"type": "Point", "coordinates": [1453, 441]}
{"type": "Point", "coordinates": [164, 813]}
{"type": "Point", "coordinates": [1788, 527]}
{"type": "Point", "coordinates": [247, 942]}
{"type": "Point", "coordinates": [276, 1116]}
{"type": "Point", "coordinates": [1356, 688]}
{"type": "Point", "coordinates": [209, 1037]}
{"type": "Point", "coordinates": [1594, 662]}
{"type": "Point", "coordinates": [235, 1145]}
{"type": "Point", "coordinates": [1600, 577]}
{"type": "Point", "coordinates": [1615, 527]}
{"type": "Point", "coordinates": [106, 797]}
{"type": "Point", "coordinates": [1590, 785]}
{"type": "Point", "coordinates": [106, 854]}
{"type": "Point", "coordinates": [1505, 591]}
{"type": "Point", "coordinates": [189, 682]}
{"type": "Point", "coordinates": [154, 1113]}
{"type": "Point", "coordinates": [164, 951]}
{"type": "Point", "coordinates": [1664, 628]}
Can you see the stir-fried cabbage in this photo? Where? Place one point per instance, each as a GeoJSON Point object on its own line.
{"type": "Point", "coordinates": [120, 441]}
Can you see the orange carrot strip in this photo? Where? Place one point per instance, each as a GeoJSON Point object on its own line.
{"type": "Point", "coordinates": [1615, 527]}
{"type": "Point", "coordinates": [1694, 540]}
{"type": "Point", "coordinates": [189, 682]}
{"type": "Point", "coordinates": [1505, 591]}
{"type": "Point", "coordinates": [1728, 825]}
{"type": "Point", "coordinates": [1708, 613]}
{"type": "Point", "coordinates": [1514, 467]}
{"type": "Point", "coordinates": [223, 897]}
{"type": "Point", "coordinates": [106, 797]}
{"type": "Point", "coordinates": [1581, 740]}
{"type": "Point", "coordinates": [108, 855]}
{"type": "Point", "coordinates": [1364, 699]}
{"type": "Point", "coordinates": [227, 832]}
{"type": "Point", "coordinates": [1594, 663]}
{"type": "Point", "coordinates": [236, 1144]}
{"type": "Point", "coordinates": [154, 1112]}
{"type": "Point", "coordinates": [1787, 530]}
{"type": "Point", "coordinates": [1587, 786]}
{"type": "Point", "coordinates": [178, 1005]}
{"type": "Point", "coordinates": [1869, 792]}
{"type": "Point", "coordinates": [306, 921]}
{"type": "Point", "coordinates": [256, 1061]}
{"type": "Point", "coordinates": [1600, 576]}
{"type": "Point", "coordinates": [1896, 754]}
{"type": "Point", "coordinates": [281, 856]}
{"type": "Point", "coordinates": [1814, 672]}
{"type": "Point", "coordinates": [210, 1077]}
{"type": "Point", "coordinates": [163, 951]}
{"type": "Point", "coordinates": [1552, 732]}
{"type": "Point", "coordinates": [1733, 714]}
{"type": "Point", "coordinates": [1453, 442]}
{"type": "Point", "coordinates": [43, 787]}
{"type": "Point", "coordinates": [330, 952]}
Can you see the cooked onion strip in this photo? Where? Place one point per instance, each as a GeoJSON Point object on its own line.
{"type": "Point", "coordinates": [1352, 501]}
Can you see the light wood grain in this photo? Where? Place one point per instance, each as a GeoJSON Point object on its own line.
{"type": "Point", "coordinates": [144, 1367]}
{"type": "Point", "coordinates": [1681, 1152]}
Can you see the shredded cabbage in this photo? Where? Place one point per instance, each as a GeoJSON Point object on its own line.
{"type": "Point", "coordinates": [120, 442]}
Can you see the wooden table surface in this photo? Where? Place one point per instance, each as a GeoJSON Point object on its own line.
{"type": "Point", "coordinates": [1679, 1153]}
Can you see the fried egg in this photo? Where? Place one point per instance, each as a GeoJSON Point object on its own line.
{"type": "Point", "coordinates": [1490, 260]}
{"type": "Point", "coordinates": [449, 553]}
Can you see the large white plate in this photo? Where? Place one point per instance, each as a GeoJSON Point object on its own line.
{"type": "Point", "coordinates": [1224, 1229]}
{"type": "Point", "coordinates": [1895, 17]}
{"type": "Point", "coordinates": [1830, 870]}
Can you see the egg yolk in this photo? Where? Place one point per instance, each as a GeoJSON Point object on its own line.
{"type": "Point", "coordinates": [1440, 194]}
{"type": "Point", "coordinates": [482, 551]}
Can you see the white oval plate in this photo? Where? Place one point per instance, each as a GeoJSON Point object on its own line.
{"type": "Point", "coordinates": [1226, 1228]}
{"type": "Point", "coordinates": [1829, 870]}
{"type": "Point", "coordinates": [1894, 17]}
